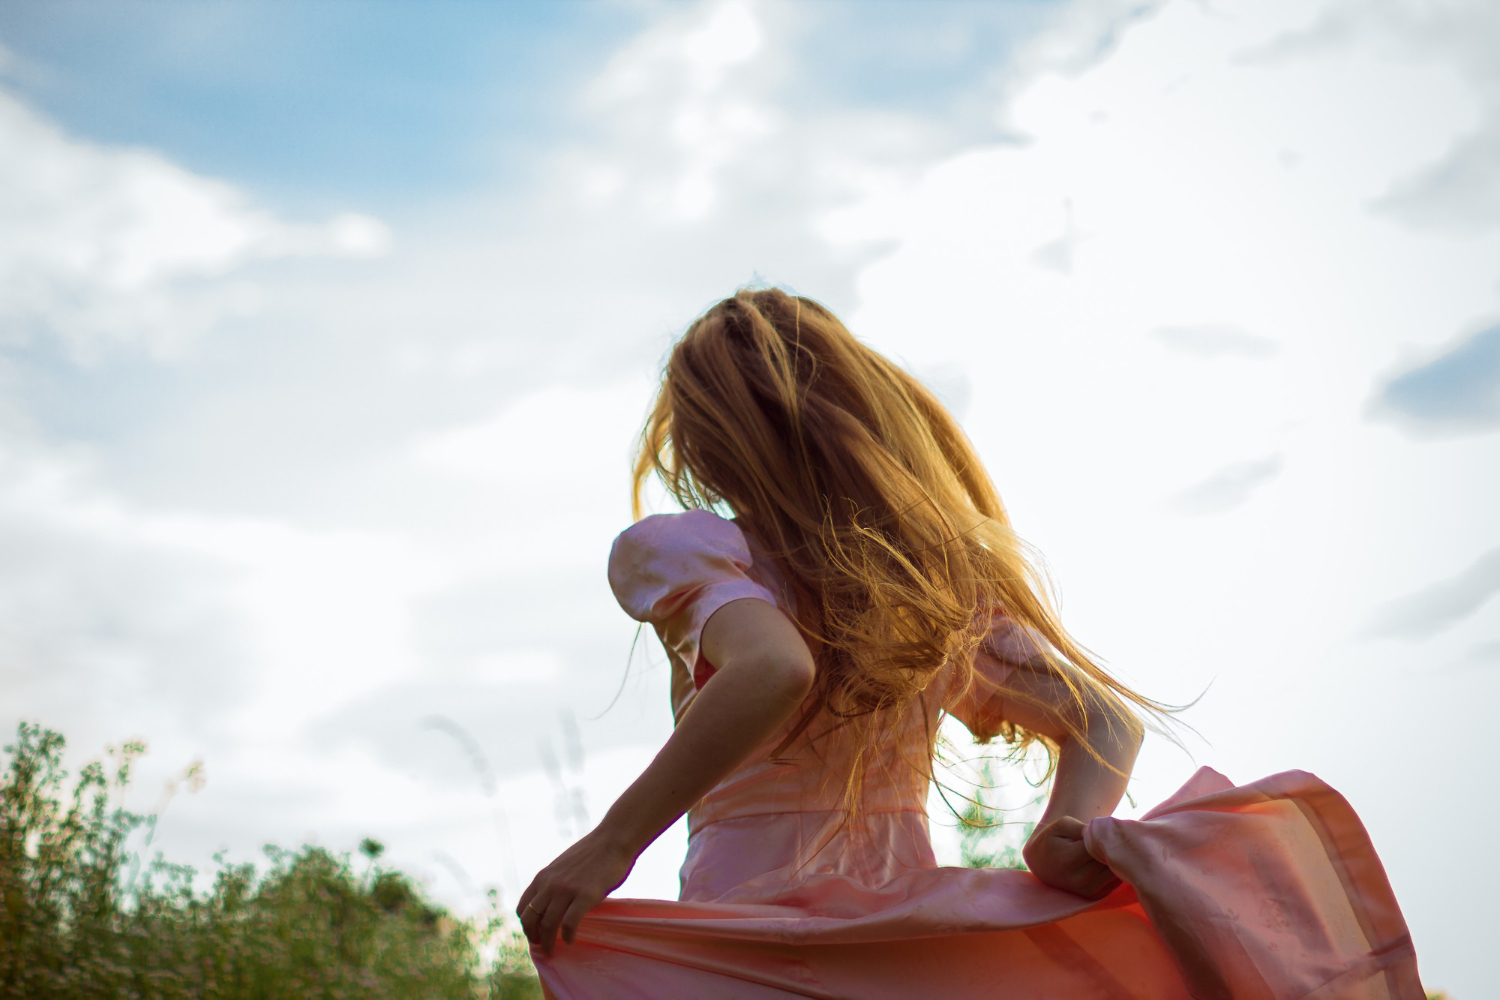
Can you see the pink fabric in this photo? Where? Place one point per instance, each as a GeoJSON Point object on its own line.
{"type": "Point", "coordinates": [1270, 890]}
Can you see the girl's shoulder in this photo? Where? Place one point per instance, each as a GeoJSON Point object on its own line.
{"type": "Point", "coordinates": [685, 529]}
{"type": "Point", "coordinates": [665, 559]}
{"type": "Point", "coordinates": [674, 571]}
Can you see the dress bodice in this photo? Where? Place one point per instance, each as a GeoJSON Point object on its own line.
{"type": "Point", "coordinates": [674, 571]}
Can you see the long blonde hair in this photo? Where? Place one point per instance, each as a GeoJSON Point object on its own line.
{"type": "Point", "coordinates": [863, 488]}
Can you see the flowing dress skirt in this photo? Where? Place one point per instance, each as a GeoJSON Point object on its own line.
{"type": "Point", "coordinates": [1269, 890]}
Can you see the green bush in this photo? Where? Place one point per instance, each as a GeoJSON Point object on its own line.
{"type": "Point", "coordinates": [987, 838]}
{"type": "Point", "coordinates": [80, 919]}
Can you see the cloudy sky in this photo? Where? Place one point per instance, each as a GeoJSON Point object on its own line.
{"type": "Point", "coordinates": [325, 331]}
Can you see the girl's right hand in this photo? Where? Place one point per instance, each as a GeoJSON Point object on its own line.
{"type": "Point", "coordinates": [1055, 854]}
{"type": "Point", "coordinates": [570, 886]}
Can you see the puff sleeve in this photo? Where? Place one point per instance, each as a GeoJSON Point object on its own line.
{"type": "Point", "coordinates": [674, 571]}
{"type": "Point", "coordinates": [982, 707]}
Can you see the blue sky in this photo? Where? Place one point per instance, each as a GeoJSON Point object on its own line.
{"type": "Point", "coordinates": [315, 106]}
{"type": "Point", "coordinates": [325, 330]}
{"type": "Point", "coordinates": [325, 106]}
{"type": "Point", "coordinates": [1456, 391]}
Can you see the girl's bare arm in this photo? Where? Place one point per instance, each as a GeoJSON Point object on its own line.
{"type": "Point", "coordinates": [765, 671]}
{"type": "Point", "coordinates": [1087, 785]}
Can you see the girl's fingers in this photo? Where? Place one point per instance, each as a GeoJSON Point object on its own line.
{"type": "Point", "coordinates": [546, 932]}
{"type": "Point", "coordinates": [531, 918]}
{"type": "Point", "coordinates": [524, 907]}
{"type": "Point", "coordinates": [1079, 860]}
{"type": "Point", "coordinates": [1087, 877]}
{"type": "Point", "coordinates": [1102, 885]}
{"type": "Point", "coordinates": [1099, 881]}
{"type": "Point", "coordinates": [1067, 828]}
{"type": "Point", "coordinates": [574, 914]}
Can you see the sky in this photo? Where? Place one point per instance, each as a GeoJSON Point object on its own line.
{"type": "Point", "coordinates": [326, 330]}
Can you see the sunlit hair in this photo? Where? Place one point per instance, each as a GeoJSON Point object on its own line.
{"type": "Point", "coordinates": [857, 481]}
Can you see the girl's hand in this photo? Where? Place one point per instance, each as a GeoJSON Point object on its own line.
{"type": "Point", "coordinates": [569, 887]}
{"type": "Point", "coordinates": [1056, 855]}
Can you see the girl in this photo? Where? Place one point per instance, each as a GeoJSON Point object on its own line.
{"type": "Point", "coordinates": [867, 582]}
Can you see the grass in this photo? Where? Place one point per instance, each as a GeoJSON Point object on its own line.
{"type": "Point", "coordinates": [80, 917]}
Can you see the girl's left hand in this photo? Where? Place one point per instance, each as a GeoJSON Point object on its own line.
{"type": "Point", "coordinates": [1055, 853]}
{"type": "Point", "coordinates": [569, 887]}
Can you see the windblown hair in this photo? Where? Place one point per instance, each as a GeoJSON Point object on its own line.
{"type": "Point", "coordinates": [860, 484]}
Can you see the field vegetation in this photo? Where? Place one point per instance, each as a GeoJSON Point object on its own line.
{"type": "Point", "coordinates": [82, 917]}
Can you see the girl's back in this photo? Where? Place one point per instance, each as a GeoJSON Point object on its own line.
{"type": "Point", "coordinates": [776, 817]}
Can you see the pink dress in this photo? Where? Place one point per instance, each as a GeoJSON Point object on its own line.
{"type": "Point", "coordinates": [1268, 890]}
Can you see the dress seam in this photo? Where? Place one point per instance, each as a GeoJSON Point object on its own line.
{"type": "Point", "coordinates": [694, 828]}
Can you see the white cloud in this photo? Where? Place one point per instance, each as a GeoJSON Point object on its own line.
{"type": "Point", "coordinates": [1442, 604]}
{"type": "Point", "coordinates": [518, 667]}
{"type": "Point", "coordinates": [1213, 340]}
{"type": "Point", "coordinates": [1457, 190]}
{"type": "Point", "coordinates": [691, 83]}
{"type": "Point", "coordinates": [107, 246]}
{"type": "Point", "coordinates": [1229, 487]}
{"type": "Point", "coordinates": [566, 436]}
{"type": "Point", "coordinates": [119, 595]}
